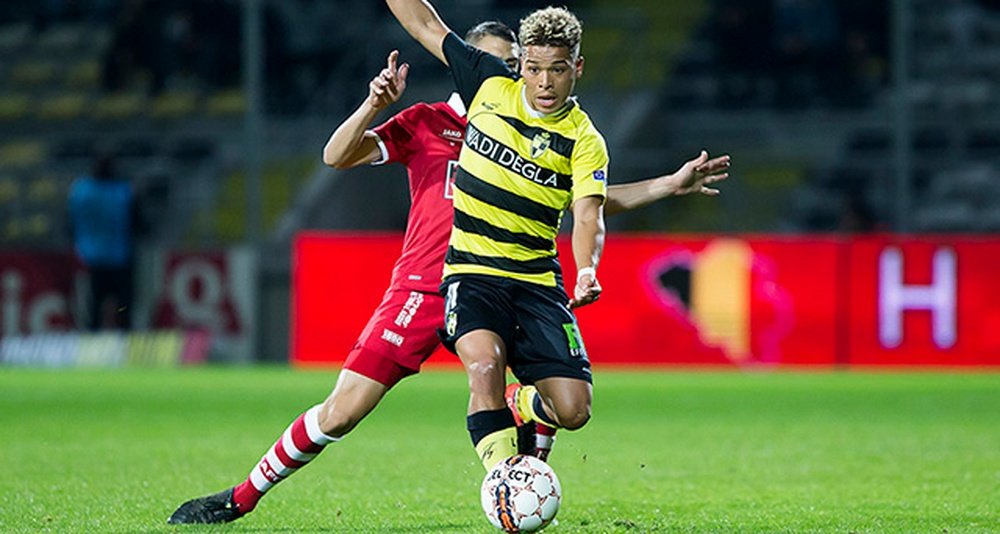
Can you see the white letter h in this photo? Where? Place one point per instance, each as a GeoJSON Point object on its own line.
{"type": "Point", "coordinates": [939, 298]}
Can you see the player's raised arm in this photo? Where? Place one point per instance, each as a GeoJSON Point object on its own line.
{"type": "Point", "coordinates": [351, 144]}
{"type": "Point", "coordinates": [693, 177]}
{"type": "Point", "coordinates": [422, 22]}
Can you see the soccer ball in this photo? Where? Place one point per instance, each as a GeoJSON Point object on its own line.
{"type": "Point", "coordinates": [521, 494]}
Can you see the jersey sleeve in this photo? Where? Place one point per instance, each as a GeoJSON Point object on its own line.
{"type": "Point", "coordinates": [470, 66]}
{"type": "Point", "coordinates": [395, 137]}
{"type": "Point", "coordinates": [590, 167]}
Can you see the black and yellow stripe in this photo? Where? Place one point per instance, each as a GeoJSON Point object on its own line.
{"type": "Point", "coordinates": [518, 172]}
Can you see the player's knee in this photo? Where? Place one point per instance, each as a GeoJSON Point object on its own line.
{"type": "Point", "coordinates": [483, 372]}
{"type": "Point", "coordinates": [573, 417]}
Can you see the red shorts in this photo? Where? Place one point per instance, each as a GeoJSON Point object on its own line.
{"type": "Point", "coordinates": [401, 334]}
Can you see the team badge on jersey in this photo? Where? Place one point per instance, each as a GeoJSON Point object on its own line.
{"type": "Point", "coordinates": [540, 143]}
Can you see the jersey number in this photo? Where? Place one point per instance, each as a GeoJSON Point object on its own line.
{"type": "Point", "coordinates": [449, 179]}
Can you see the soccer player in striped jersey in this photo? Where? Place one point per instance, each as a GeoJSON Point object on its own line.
{"type": "Point", "coordinates": [529, 154]}
{"type": "Point", "coordinates": [426, 138]}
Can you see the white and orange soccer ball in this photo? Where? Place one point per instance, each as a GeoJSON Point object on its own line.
{"type": "Point", "coordinates": [521, 494]}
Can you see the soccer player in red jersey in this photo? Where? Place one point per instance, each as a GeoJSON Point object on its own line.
{"type": "Point", "coordinates": [427, 139]}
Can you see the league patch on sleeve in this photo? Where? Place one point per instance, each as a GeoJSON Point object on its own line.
{"type": "Point", "coordinates": [600, 176]}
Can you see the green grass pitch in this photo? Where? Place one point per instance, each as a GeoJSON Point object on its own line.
{"type": "Point", "coordinates": [666, 451]}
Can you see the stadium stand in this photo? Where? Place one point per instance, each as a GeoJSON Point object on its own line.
{"type": "Point", "coordinates": [156, 84]}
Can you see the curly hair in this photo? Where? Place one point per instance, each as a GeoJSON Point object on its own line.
{"type": "Point", "coordinates": [552, 26]}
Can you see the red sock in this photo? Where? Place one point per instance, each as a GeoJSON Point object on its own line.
{"type": "Point", "coordinates": [545, 436]}
{"type": "Point", "coordinates": [298, 445]}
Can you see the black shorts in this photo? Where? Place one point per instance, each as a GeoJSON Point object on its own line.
{"type": "Point", "coordinates": [534, 321]}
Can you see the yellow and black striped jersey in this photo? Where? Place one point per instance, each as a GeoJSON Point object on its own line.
{"type": "Point", "coordinates": [519, 170]}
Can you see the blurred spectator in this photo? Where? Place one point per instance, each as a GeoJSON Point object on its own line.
{"type": "Point", "coordinates": [104, 222]}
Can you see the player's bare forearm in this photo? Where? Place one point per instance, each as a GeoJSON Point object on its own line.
{"type": "Point", "coordinates": [588, 243]}
{"type": "Point", "coordinates": [350, 145]}
{"type": "Point", "coordinates": [422, 22]}
{"type": "Point", "coordinates": [625, 197]}
{"type": "Point", "coordinates": [693, 177]}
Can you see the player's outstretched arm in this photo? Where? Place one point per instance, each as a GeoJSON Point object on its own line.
{"type": "Point", "coordinates": [422, 22]}
{"type": "Point", "coordinates": [351, 144]}
{"type": "Point", "coordinates": [695, 176]}
{"type": "Point", "coordinates": [588, 242]}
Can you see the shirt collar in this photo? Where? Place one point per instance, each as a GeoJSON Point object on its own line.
{"type": "Point", "coordinates": [455, 101]}
{"type": "Point", "coordinates": [570, 102]}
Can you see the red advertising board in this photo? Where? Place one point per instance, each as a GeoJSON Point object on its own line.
{"type": "Point", "coordinates": [745, 300]}
{"type": "Point", "coordinates": [37, 292]}
{"type": "Point", "coordinates": [725, 300]}
{"type": "Point", "coordinates": [925, 301]}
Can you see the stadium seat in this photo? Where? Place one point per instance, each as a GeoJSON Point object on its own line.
{"type": "Point", "coordinates": [12, 225]}
{"type": "Point", "coordinates": [22, 154]}
{"type": "Point", "coordinates": [83, 75]}
{"type": "Point", "coordinates": [175, 105]}
{"type": "Point", "coordinates": [226, 103]}
{"type": "Point", "coordinates": [10, 188]}
{"type": "Point", "coordinates": [33, 73]}
{"type": "Point", "coordinates": [38, 224]}
{"type": "Point", "coordinates": [120, 106]}
{"type": "Point", "coordinates": [63, 107]}
{"type": "Point", "coordinates": [14, 106]}
{"type": "Point", "coordinates": [44, 190]}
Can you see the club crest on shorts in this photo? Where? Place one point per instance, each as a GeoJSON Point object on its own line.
{"type": "Point", "coordinates": [574, 340]}
{"type": "Point", "coordinates": [540, 143]}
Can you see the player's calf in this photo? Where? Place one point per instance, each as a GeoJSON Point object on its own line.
{"type": "Point", "coordinates": [534, 436]}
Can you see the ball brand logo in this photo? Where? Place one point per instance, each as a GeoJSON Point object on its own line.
{"type": "Point", "coordinates": [519, 475]}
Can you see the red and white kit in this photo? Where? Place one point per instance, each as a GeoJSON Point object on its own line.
{"type": "Point", "coordinates": [402, 332]}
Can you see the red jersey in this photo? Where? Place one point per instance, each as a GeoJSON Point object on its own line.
{"type": "Point", "coordinates": [427, 139]}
